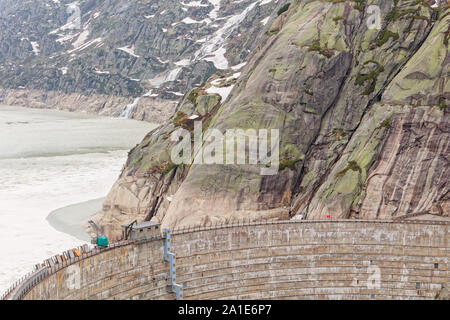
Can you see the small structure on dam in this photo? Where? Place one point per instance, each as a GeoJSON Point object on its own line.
{"type": "Point", "coordinates": [141, 231]}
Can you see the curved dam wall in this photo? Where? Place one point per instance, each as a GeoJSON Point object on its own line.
{"type": "Point", "coordinates": [277, 260]}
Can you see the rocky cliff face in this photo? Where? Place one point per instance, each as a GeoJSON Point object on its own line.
{"type": "Point", "coordinates": [129, 58]}
{"type": "Point", "coordinates": [362, 113]}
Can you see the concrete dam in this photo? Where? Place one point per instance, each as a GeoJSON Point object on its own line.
{"type": "Point", "coordinates": [334, 259]}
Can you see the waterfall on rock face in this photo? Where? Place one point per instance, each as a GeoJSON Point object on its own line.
{"type": "Point", "coordinates": [126, 112]}
{"type": "Point", "coordinates": [172, 76]}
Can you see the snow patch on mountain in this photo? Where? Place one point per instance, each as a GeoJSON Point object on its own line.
{"type": "Point", "coordinates": [81, 39]}
{"type": "Point", "coordinates": [86, 45]}
{"type": "Point", "coordinates": [129, 50]}
{"type": "Point", "coordinates": [35, 47]}
{"type": "Point", "coordinates": [213, 49]}
{"type": "Point", "coordinates": [224, 92]}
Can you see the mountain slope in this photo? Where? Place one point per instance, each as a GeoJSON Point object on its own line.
{"type": "Point", "coordinates": [362, 136]}
{"type": "Point", "coordinates": [120, 50]}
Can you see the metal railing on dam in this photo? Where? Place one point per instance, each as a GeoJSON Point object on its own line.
{"type": "Point", "coordinates": [274, 259]}
{"type": "Point", "coordinates": [51, 266]}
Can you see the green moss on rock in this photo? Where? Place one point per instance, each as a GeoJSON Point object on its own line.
{"type": "Point", "coordinates": [371, 76]}
{"type": "Point", "coordinates": [387, 124]}
{"type": "Point", "coordinates": [315, 47]}
{"type": "Point", "coordinates": [385, 36]}
{"type": "Point", "coordinates": [352, 165]}
{"type": "Point", "coordinates": [272, 32]}
{"type": "Point", "coordinates": [284, 163]}
{"type": "Point", "coordinates": [283, 9]}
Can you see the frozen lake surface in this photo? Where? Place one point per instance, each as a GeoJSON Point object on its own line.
{"type": "Point", "coordinates": [50, 160]}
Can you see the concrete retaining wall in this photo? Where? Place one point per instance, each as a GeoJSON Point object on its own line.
{"type": "Point", "coordinates": [285, 260]}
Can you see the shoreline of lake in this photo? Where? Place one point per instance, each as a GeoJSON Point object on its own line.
{"type": "Point", "coordinates": [70, 219]}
